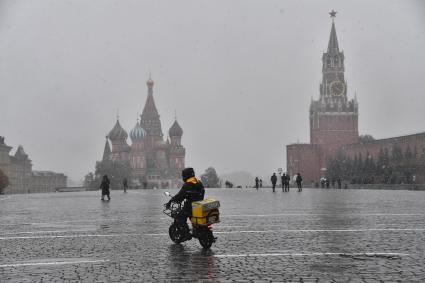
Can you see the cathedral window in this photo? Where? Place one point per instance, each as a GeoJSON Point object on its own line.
{"type": "Point", "coordinates": [336, 61]}
{"type": "Point", "coordinates": [328, 62]}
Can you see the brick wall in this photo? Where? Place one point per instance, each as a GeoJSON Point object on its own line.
{"type": "Point", "coordinates": [373, 147]}
{"type": "Point", "coordinates": [305, 159]}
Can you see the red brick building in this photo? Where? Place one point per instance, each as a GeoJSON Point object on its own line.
{"type": "Point", "coordinates": [334, 127]}
{"type": "Point", "coordinates": [333, 118]}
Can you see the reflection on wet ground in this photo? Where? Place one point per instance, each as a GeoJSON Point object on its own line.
{"type": "Point", "coordinates": [313, 236]}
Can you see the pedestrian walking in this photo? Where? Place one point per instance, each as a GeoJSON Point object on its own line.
{"type": "Point", "coordinates": [273, 179]}
{"type": "Point", "coordinates": [339, 183]}
{"type": "Point", "coordinates": [105, 188]}
{"type": "Point", "coordinates": [257, 183]}
{"type": "Point", "coordinates": [327, 183]}
{"type": "Point", "coordinates": [287, 179]}
{"type": "Point", "coordinates": [261, 183]}
{"type": "Point", "coordinates": [283, 180]}
{"type": "Point", "coordinates": [125, 184]}
{"type": "Point", "coordinates": [299, 181]}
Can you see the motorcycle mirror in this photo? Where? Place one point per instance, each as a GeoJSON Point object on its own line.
{"type": "Point", "coordinates": [167, 194]}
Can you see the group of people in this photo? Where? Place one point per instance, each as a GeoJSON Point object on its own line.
{"type": "Point", "coordinates": [258, 183]}
{"type": "Point", "coordinates": [325, 183]}
{"type": "Point", "coordinates": [285, 182]}
{"type": "Point", "coordinates": [105, 184]}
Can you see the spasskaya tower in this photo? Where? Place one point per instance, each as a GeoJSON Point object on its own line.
{"type": "Point", "coordinates": [333, 117]}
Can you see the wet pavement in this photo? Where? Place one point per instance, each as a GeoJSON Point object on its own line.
{"type": "Point", "coordinates": [313, 236]}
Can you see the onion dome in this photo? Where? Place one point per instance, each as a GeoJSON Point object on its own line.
{"type": "Point", "coordinates": [117, 132]}
{"type": "Point", "coordinates": [137, 132]}
{"type": "Point", "coordinates": [175, 130]}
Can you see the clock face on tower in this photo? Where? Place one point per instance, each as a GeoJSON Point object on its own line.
{"type": "Point", "coordinates": [337, 88]}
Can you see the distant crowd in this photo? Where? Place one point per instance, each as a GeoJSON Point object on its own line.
{"type": "Point", "coordinates": [284, 182]}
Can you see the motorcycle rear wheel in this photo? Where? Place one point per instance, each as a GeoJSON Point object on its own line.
{"type": "Point", "coordinates": [176, 233]}
{"type": "Point", "coordinates": [206, 239]}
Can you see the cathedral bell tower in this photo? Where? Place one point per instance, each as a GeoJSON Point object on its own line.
{"type": "Point", "coordinates": [333, 117]}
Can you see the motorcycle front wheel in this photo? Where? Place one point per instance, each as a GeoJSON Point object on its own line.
{"type": "Point", "coordinates": [206, 238]}
{"type": "Point", "coordinates": [176, 233]}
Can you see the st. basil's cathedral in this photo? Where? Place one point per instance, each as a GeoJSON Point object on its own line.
{"type": "Point", "coordinates": [155, 162]}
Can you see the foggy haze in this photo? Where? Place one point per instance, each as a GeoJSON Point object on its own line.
{"type": "Point", "coordinates": [239, 74]}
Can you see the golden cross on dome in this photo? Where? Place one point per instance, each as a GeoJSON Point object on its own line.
{"type": "Point", "coordinates": [333, 13]}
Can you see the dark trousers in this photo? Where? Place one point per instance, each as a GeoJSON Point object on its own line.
{"type": "Point", "coordinates": [299, 186]}
{"type": "Point", "coordinates": [181, 219]}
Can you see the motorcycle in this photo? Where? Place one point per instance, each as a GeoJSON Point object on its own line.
{"type": "Point", "coordinates": [205, 213]}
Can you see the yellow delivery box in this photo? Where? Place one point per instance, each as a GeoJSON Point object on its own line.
{"type": "Point", "coordinates": [205, 212]}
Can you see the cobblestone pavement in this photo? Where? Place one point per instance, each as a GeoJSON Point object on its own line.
{"type": "Point", "coordinates": [313, 236]}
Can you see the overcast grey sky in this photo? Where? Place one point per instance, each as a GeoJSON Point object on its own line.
{"type": "Point", "coordinates": [240, 74]}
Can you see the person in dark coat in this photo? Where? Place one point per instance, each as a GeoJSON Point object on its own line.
{"type": "Point", "coordinates": [257, 183]}
{"type": "Point", "coordinates": [273, 179]}
{"type": "Point", "coordinates": [287, 179]}
{"type": "Point", "coordinates": [283, 180]}
{"type": "Point", "coordinates": [192, 190]}
{"type": "Point", "coordinates": [125, 184]}
{"type": "Point", "coordinates": [105, 187]}
{"type": "Point", "coordinates": [261, 183]}
{"type": "Point", "coordinates": [299, 181]}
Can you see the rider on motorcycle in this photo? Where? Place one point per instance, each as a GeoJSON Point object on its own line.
{"type": "Point", "coordinates": [192, 190]}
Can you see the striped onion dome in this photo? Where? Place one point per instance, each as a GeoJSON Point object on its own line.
{"type": "Point", "coordinates": [137, 132]}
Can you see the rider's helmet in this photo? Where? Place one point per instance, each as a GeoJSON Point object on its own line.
{"type": "Point", "coordinates": [187, 173]}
